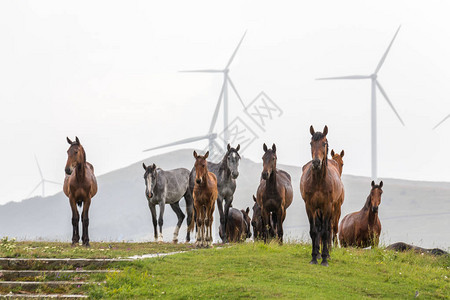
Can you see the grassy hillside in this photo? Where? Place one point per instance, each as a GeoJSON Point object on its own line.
{"type": "Point", "coordinates": [257, 270]}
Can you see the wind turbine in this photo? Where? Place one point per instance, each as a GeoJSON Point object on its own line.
{"type": "Point", "coordinates": [375, 84]}
{"type": "Point", "coordinates": [223, 96]}
{"type": "Point", "coordinates": [43, 180]}
{"type": "Point", "coordinates": [448, 116]}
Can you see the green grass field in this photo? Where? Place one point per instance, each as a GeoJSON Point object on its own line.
{"type": "Point", "coordinates": [256, 270]}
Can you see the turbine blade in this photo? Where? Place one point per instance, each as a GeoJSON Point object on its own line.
{"type": "Point", "coordinates": [185, 141]}
{"type": "Point", "coordinates": [39, 184]}
{"type": "Point", "coordinates": [235, 91]}
{"type": "Point", "coordinates": [235, 51]}
{"type": "Point", "coordinates": [345, 77]}
{"type": "Point", "coordinates": [387, 51]}
{"type": "Point", "coordinates": [388, 101]}
{"type": "Point", "coordinates": [216, 111]}
{"type": "Point", "coordinates": [39, 167]}
{"type": "Point", "coordinates": [437, 125]}
{"type": "Point", "coordinates": [202, 71]}
{"type": "Point", "coordinates": [54, 182]}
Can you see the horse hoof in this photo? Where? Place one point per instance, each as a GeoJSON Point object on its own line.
{"type": "Point", "coordinates": [175, 241]}
{"type": "Point", "coordinates": [313, 262]}
{"type": "Point", "coordinates": [74, 244]}
{"type": "Point", "coordinates": [87, 245]}
{"type": "Point", "coordinates": [324, 263]}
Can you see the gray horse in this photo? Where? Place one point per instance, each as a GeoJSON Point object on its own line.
{"type": "Point", "coordinates": [167, 187]}
{"type": "Point", "coordinates": [226, 172]}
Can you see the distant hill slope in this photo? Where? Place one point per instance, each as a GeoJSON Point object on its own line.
{"type": "Point", "coordinates": [411, 211]}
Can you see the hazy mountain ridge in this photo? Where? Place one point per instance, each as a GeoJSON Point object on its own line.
{"type": "Point", "coordinates": [411, 211]}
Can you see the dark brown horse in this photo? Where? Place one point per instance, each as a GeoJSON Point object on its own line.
{"type": "Point", "coordinates": [362, 228]}
{"type": "Point", "coordinates": [321, 188]}
{"type": "Point", "coordinates": [80, 186]}
{"type": "Point", "coordinates": [238, 225]}
{"type": "Point", "coordinates": [257, 222]}
{"type": "Point", "coordinates": [274, 194]}
{"type": "Point", "coordinates": [205, 194]}
{"type": "Point", "coordinates": [339, 162]}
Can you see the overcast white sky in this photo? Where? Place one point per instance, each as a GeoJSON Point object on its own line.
{"type": "Point", "coordinates": [107, 71]}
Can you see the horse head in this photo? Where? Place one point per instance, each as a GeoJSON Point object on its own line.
{"type": "Point", "coordinates": [319, 147]}
{"type": "Point", "coordinates": [75, 155]}
{"type": "Point", "coordinates": [150, 179]}
{"type": "Point", "coordinates": [247, 222]}
{"type": "Point", "coordinates": [269, 161]}
{"type": "Point", "coordinates": [375, 196]}
{"type": "Point", "coordinates": [232, 160]}
{"type": "Point", "coordinates": [256, 219]}
{"type": "Point", "coordinates": [338, 158]}
{"type": "Point", "coordinates": [201, 167]}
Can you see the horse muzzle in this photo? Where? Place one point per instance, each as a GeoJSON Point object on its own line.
{"type": "Point", "coordinates": [198, 180]}
{"type": "Point", "coordinates": [234, 175]}
{"type": "Point", "coordinates": [265, 175]}
{"type": "Point", "coordinates": [316, 164]}
{"type": "Point", "coordinates": [68, 171]}
{"type": "Point", "coordinates": [375, 209]}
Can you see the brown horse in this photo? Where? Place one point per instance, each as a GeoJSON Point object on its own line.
{"type": "Point", "coordinates": [321, 188]}
{"type": "Point", "coordinates": [205, 194]}
{"type": "Point", "coordinates": [362, 228]}
{"type": "Point", "coordinates": [257, 222]}
{"type": "Point", "coordinates": [238, 225]}
{"type": "Point", "coordinates": [338, 159]}
{"type": "Point", "coordinates": [80, 186]}
{"type": "Point", "coordinates": [274, 194]}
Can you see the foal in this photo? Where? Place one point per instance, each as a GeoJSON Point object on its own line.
{"type": "Point", "coordinates": [362, 228]}
{"type": "Point", "coordinates": [205, 194]}
{"type": "Point", "coordinates": [238, 225]}
{"type": "Point", "coordinates": [338, 159]}
{"type": "Point", "coordinates": [80, 185]}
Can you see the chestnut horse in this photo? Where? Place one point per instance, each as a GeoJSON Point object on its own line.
{"type": "Point", "coordinates": [80, 186]}
{"type": "Point", "coordinates": [238, 225]}
{"type": "Point", "coordinates": [362, 228]}
{"type": "Point", "coordinates": [274, 194]}
{"type": "Point", "coordinates": [321, 188]}
{"type": "Point", "coordinates": [204, 194]}
{"type": "Point", "coordinates": [338, 159]}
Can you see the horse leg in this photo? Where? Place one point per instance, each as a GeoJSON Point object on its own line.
{"type": "Point", "coordinates": [75, 220]}
{"type": "Point", "coordinates": [176, 208]}
{"type": "Point", "coordinates": [326, 240]}
{"type": "Point", "coordinates": [223, 218]}
{"type": "Point", "coordinates": [85, 221]}
{"type": "Point", "coordinates": [189, 212]}
{"type": "Point", "coordinates": [198, 225]}
{"type": "Point", "coordinates": [228, 202]}
{"type": "Point", "coordinates": [266, 223]}
{"type": "Point", "coordinates": [280, 225]}
{"type": "Point", "coordinates": [153, 211]}
{"type": "Point", "coordinates": [162, 205]}
{"type": "Point", "coordinates": [315, 239]}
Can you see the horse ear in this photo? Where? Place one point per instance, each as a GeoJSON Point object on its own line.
{"type": "Point", "coordinates": [332, 152]}
{"type": "Point", "coordinates": [311, 130]}
{"type": "Point", "coordinates": [274, 148]}
{"type": "Point", "coordinates": [342, 153]}
{"type": "Point", "coordinates": [145, 167]}
{"type": "Point", "coordinates": [153, 166]}
{"type": "Point", "coordinates": [373, 183]}
{"type": "Point", "coordinates": [69, 141]}
{"type": "Point", "coordinates": [238, 147]}
{"type": "Point", "coordinates": [247, 210]}
{"type": "Point", "coordinates": [265, 147]}
{"type": "Point", "coordinates": [254, 198]}
{"type": "Point", "coordinates": [206, 154]}
{"type": "Point", "coordinates": [381, 183]}
{"type": "Point", "coordinates": [77, 140]}
{"type": "Point", "coordinates": [228, 147]}
{"type": "Point", "coordinates": [195, 154]}
{"type": "Point", "coordinates": [325, 130]}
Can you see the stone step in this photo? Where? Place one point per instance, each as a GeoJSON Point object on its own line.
{"type": "Point", "coordinates": [55, 275]}
{"type": "Point", "coordinates": [57, 263]}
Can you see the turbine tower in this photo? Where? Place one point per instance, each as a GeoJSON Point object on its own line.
{"type": "Point", "coordinates": [43, 180]}
{"type": "Point", "coordinates": [375, 84]}
{"type": "Point", "coordinates": [223, 96]}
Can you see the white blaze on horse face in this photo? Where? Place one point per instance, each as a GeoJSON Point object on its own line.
{"type": "Point", "coordinates": [148, 179]}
